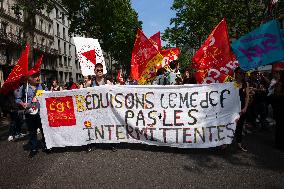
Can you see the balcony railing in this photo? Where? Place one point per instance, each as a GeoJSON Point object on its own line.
{"type": "Point", "coordinates": [11, 38]}
{"type": "Point", "coordinates": [46, 49]}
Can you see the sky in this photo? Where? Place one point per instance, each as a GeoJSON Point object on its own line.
{"type": "Point", "coordinates": [155, 15]}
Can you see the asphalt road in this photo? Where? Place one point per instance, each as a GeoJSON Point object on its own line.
{"type": "Point", "coordinates": [141, 166]}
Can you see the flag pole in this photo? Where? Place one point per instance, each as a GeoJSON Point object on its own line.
{"type": "Point", "coordinates": [27, 88]}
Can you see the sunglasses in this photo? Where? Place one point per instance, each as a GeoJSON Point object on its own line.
{"type": "Point", "coordinates": [99, 70]}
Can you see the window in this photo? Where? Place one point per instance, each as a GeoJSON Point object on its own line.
{"type": "Point", "coordinates": [65, 61]}
{"type": "Point", "coordinates": [69, 50]}
{"type": "Point", "coordinates": [3, 27]}
{"type": "Point", "coordinates": [58, 32]}
{"type": "Point", "coordinates": [59, 48]}
{"type": "Point", "coordinates": [40, 24]}
{"type": "Point", "coordinates": [63, 18]}
{"type": "Point", "coordinates": [42, 41]}
{"type": "Point", "coordinates": [69, 61]}
{"type": "Point", "coordinates": [64, 47]}
{"type": "Point", "coordinates": [49, 28]}
{"type": "Point", "coordinates": [60, 62]}
{"type": "Point", "coordinates": [64, 36]}
{"type": "Point", "coordinates": [56, 12]}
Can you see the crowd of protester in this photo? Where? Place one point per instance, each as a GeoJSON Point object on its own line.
{"type": "Point", "coordinates": [260, 94]}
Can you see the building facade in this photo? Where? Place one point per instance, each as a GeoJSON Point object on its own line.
{"type": "Point", "coordinates": [51, 39]}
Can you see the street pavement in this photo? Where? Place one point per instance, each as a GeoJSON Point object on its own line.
{"type": "Point", "coordinates": [141, 166]}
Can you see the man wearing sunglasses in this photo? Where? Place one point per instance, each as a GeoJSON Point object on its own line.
{"type": "Point", "coordinates": [99, 78]}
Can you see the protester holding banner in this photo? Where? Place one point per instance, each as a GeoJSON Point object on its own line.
{"type": "Point", "coordinates": [244, 97]}
{"type": "Point", "coordinates": [99, 78]}
{"type": "Point", "coordinates": [26, 97]}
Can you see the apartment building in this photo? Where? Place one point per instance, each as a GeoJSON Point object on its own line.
{"type": "Point", "coordinates": [51, 39]}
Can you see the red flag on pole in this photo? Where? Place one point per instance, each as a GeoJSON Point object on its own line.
{"type": "Point", "coordinates": [119, 77]}
{"type": "Point", "coordinates": [19, 70]}
{"type": "Point", "coordinates": [144, 59]}
{"type": "Point", "coordinates": [215, 59]}
{"type": "Point", "coordinates": [36, 68]}
{"type": "Point", "coordinates": [156, 40]}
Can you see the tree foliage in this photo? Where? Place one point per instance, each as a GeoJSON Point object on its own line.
{"type": "Point", "coordinates": [114, 23]}
{"type": "Point", "coordinates": [195, 19]}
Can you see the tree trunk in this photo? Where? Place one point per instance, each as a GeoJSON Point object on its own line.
{"type": "Point", "coordinates": [29, 30]}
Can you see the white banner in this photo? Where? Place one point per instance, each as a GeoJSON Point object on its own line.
{"type": "Point", "coordinates": [188, 116]}
{"type": "Point", "coordinates": [89, 53]}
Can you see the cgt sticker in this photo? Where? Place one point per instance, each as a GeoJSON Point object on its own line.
{"type": "Point", "coordinates": [60, 111]}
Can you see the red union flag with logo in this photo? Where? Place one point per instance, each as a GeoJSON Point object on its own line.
{"type": "Point", "coordinates": [144, 59]}
{"type": "Point", "coordinates": [169, 55]}
{"type": "Point", "coordinates": [60, 111]}
{"type": "Point", "coordinates": [89, 53]}
{"type": "Point", "coordinates": [215, 61]}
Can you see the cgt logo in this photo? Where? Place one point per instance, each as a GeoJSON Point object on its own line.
{"type": "Point", "coordinates": [60, 111]}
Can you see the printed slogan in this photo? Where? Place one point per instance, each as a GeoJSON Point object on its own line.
{"type": "Point", "coordinates": [189, 116]}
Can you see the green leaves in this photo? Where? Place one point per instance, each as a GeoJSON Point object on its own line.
{"type": "Point", "coordinates": [113, 22]}
{"type": "Point", "coordinates": [195, 19]}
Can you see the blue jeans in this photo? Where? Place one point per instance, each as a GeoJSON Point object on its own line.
{"type": "Point", "coordinates": [33, 123]}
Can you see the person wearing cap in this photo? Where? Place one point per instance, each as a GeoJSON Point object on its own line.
{"type": "Point", "coordinates": [26, 97]}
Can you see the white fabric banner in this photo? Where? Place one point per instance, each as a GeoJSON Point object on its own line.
{"type": "Point", "coordinates": [188, 116]}
{"type": "Point", "coordinates": [89, 53]}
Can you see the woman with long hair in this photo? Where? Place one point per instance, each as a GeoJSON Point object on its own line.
{"type": "Point", "coordinates": [55, 86]}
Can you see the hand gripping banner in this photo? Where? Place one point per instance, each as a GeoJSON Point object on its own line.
{"type": "Point", "coordinates": [188, 116]}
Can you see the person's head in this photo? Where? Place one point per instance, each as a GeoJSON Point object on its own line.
{"type": "Point", "coordinates": [174, 65]}
{"type": "Point", "coordinates": [130, 78]}
{"type": "Point", "coordinates": [239, 74]}
{"type": "Point", "coordinates": [109, 77]}
{"type": "Point", "coordinates": [161, 71]}
{"type": "Point", "coordinates": [99, 70]}
{"type": "Point", "coordinates": [34, 79]}
{"type": "Point", "coordinates": [55, 83]}
{"type": "Point", "coordinates": [186, 73]}
{"type": "Point", "coordinates": [87, 78]}
{"type": "Point", "coordinates": [276, 74]}
{"type": "Point", "coordinates": [70, 80]}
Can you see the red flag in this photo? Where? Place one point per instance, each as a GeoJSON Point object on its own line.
{"type": "Point", "coordinates": [156, 40]}
{"type": "Point", "coordinates": [36, 68]}
{"type": "Point", "coordinates": [169, 55]}
{"type": "Point", "coordinates": [278, 66]}
{"type": "Point", "coordinates": [215, 59]}
{"type": "Point", "coordinates": [119, 77]}
{"type": "Point", "coordinates": [19, 70]}
{"type": "Point", "coordinates": [144, 59]}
